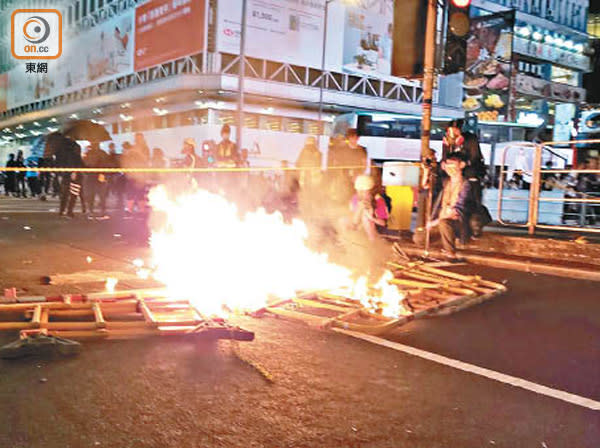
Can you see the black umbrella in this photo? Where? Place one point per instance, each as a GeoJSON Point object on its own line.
{"type": "Point", "coordinates": [67, 153]}
{"type": "Point", "coordinates": [85, 130]}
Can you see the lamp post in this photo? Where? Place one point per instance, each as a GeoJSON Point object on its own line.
{"type": "Point", "coordinates": [242, 72]}
{"type": "Point", "coordinates": [327, 2]}
{"type": "Point", "coordinates": [428, 77]}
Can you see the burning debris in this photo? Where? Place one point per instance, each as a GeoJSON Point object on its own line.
{"type": "Point", "coordinates": [205, 248]}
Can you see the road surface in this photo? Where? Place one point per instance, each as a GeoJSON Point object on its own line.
{"type": "Point", "coordinates": [330, 390]}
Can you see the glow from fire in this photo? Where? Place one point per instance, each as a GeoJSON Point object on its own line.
{"type": "Point", "coordinates": [383, 297]}
{"type": "Point", "coordinates": [111, 284]}
{"type": "Point", "coordinates": [206, 252]}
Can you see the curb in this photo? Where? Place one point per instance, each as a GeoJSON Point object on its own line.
{"type": "Point", "coordinates": [519, 265]}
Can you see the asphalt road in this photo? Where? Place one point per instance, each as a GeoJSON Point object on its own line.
{"type": "Point", "coordinates": [330, 390]}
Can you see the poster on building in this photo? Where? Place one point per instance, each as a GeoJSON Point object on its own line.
{"type": "Point", "coordinates": [97, 55]}
{"type": "Point", "coordinates": [488, 66]}
{"type": "Point", "coordinates": [280, 30]}
{"type": "Point", "coordinates": [359, 35]}
{"type": "Point", "coordinates": [183, 21]}
{"type": "Point", "coordinates": [28, 88]}
{"type": "Point", "coordinates": [3, 91]}
{"type": "Point", "coordinates": [368, 36]}
{"type": "Point", "coordinates": [564, 116]}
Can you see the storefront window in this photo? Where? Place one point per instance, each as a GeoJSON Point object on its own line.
{"type": "Point", "coordinates": [564, 76]}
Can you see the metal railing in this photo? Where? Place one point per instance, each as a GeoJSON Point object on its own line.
{"type": "Point", "coordinates": [586, 205]}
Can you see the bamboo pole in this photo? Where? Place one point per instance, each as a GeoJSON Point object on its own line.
{"type": "Point", "coordinates": [100, 322]}
{"type": "Point", "coordinates": [37, 316]}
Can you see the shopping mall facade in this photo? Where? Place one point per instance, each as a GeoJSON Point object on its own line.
{"type": "Point", "coordinates": [169, 69]}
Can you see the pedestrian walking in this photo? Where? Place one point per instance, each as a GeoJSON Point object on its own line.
{"type": "Point", "coordinates": [11, 176]}
{"type": "Point", "coordinates": [20, 186]}
{"type": "Point", "coordinates": [96, 183]}
{"type": "Point", "coordinates": [116, 181]}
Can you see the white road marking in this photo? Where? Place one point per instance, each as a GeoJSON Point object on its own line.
{"type": "Point", "coordinates": [481, 371]}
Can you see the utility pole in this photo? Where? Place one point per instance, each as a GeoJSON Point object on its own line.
{"type": "Point", "coordinates": [242, 73]}
{"type": "Point", "coordinates": [428, 78]}
{"type": "Point", "coordinates": [321, 84]}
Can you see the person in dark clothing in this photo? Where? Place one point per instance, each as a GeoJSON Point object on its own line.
{"type": "Point", "coordinates": [349, 160]}
{"type": "Point", "coordinates": [549, 180]}
{"type": "Point", "coordinates": [11, 178]}
{"type": "Point", "coordinates": [134, 157]}
{"type": "Point", "coordinates": [20, 186]}
{"type": "Point", "coordinates": [227, 152]}
{"type": "Point", "coordinates": [453, 205]}
{"type": "Point", "coordinates": [75, 190]}
{"type": "Point", "coordinates": [96, 183]}
{"type": "Point", "coordinates": [116, 181]}
{"type": "Point", "coordinates": [309, 161]}
{"type": "Point", "coordinates": [475, 169]}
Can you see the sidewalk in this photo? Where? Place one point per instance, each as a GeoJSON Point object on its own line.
{"type": "Point", "coordinates": [551, 252]}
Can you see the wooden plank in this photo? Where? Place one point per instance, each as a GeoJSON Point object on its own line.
{"type": "Point", "coordinates": [100, 322]}
{"type": "Point", "coordinates": [148, 315]}
{"type": "Point", "coordinates": [37, 316]}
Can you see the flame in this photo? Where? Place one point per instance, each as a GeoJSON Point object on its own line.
{"type": "Point", "coordinates": [206, 252]}
{"type": "Point", "coordinates": [111, 284]}
{"type": "Point", "coordinates": [384, 298]}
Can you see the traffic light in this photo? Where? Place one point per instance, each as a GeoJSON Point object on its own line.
{"type": "Point", "coordinates": [457, 33]}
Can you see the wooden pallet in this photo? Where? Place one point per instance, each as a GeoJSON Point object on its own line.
{"type": "Point", "coordinates": [427, 290]}
{"type": "Point", "coordinates": [122, 315]}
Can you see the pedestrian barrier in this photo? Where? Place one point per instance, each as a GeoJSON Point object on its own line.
{"type": "Point", "coordinates": [587, 203]}
{"type": "Point", "coordinates": [120, 315]}
{"type": "Point", "coordinates": [426, 290]}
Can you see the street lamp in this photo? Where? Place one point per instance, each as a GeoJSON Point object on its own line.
{"type": "Point", "coordinates": [241, 75]}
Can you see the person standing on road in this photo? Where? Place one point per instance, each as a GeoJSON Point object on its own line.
{"type": "Point", "coordinates": [135, 157]}
{"type": "Point", "coordinates": [116, 181]}
{"type": "Point", "coordinates": [96, 182]}
{"type": "Point", "coordinates": [309, 161]}
{"type": "Point", "coordinates": [227, 157]}
{"type": "Point", "coordinates": [11, 178]}
{"type": "Point", "coordinates": [20, 187]}
{"type": "Point", "coordinates": [350, 160]}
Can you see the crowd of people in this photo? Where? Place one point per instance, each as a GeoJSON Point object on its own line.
{"type": "Point", "coordinates": [454, 184]}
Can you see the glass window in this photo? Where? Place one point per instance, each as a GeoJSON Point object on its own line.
{"type": "Point", "coordinates": [271, 123]}
{"type": "Point", "coordinates": [564, 76]}
{"type": "Point", "coordinates": [312, 127]}
{"type": "Point", "coordinates": [192, 117]}
{"type": "Point", "coordinates": [251, 121]}
{"type": "Point", "coordinates": [227, 117]}
{"type": "Point", "coordinates": [293, 125]}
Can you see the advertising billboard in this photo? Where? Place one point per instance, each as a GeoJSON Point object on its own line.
{"type": "Point", "coordinates": [167, 30]}
{"type": "Point", "coordinates": [368, 37]}
{"type": "Point", "coordinates": [97, 55]}
{"type": "Point", "coordinates": [359, 36]}
{"type": "Point", "coordinates": [3, 91]}
{"type": "Point", "coordinates": [279, 30]}
{"type": "Point", "coordinates": [27, 88]}
{"type": "Point", "coordinates": [489, 68]}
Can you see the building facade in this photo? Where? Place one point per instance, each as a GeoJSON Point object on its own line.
{"type": "Point", "coordinates": [551, 54]}
{"type": "Point", "coordinates": [169, 68]}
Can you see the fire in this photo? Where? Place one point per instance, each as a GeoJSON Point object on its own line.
{"type": "Point", "coordinates": [111, 284]}
{"type": "Point", "coordinates": [383, 297]}
{"type": "Point", "coordinates": [207, 252]}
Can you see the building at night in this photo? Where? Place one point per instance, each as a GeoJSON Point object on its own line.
{"type": "Point", "coordinates": [551, 55]}
{"type": "Point", "coordinates": [136, 80]}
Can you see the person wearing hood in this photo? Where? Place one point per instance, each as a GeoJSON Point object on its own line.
{"type": "Point", "coordinates": [309, 162]}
